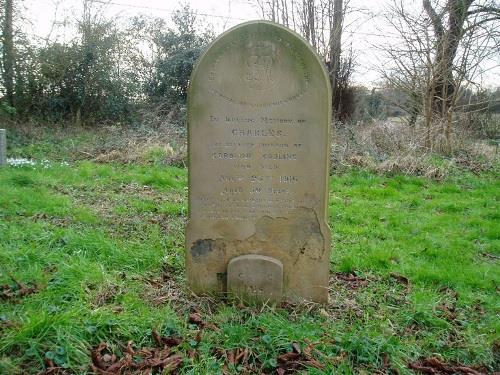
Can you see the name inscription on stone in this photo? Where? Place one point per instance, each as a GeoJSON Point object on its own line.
{"type": "Point", "coordinates": [253, 177]}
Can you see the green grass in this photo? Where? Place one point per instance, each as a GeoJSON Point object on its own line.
{"type": "Point", "coordinates": [104, 246]}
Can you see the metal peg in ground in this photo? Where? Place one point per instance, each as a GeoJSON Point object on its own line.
{"type": "Point", "coordinates": [3, 147]}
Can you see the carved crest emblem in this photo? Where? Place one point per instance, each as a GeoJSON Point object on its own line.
{"type": "Point", "coordinates": [260, 65]}
{"type": "Point", "coordinates": [258, 69]}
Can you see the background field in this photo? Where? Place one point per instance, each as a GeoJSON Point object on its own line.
{"type": "Point", "coordinates": [92, 252]}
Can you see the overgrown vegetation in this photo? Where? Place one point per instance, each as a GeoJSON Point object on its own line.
{"type": "Point", "coordinates": [390, 146]}
{"type": "Point", "coordinates": [93, 253]}
{"type": "Point", "coordinates": [103, 71]}
{"type": "Point", "coordinates": [383, 147]}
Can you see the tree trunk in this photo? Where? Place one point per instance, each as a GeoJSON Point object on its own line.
{"type": "Point", "coordinates": [8, 53]}
{"type": "Point", "coordinates": [311, 22]}
{"type": "Point", "coordinates": [427, 105]}
{"type": "Point", "coordinates": [78, 116]}
{"type": "Point", "coordinates": [335, 51]}
{"type": "Point", "coordinates": [444, 88]}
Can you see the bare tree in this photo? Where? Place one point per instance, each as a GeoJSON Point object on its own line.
{"type": "Point", "coordinates": [408, 64]}
{"type": "Point", "coordinates": [337, 79]}
{"type": "Point", "coordinates": [8, 51]}
{"type": "Point", "coordinates": [455, 25]}
{"type": "Point", "coordinates": [440, 50]}
{"type": "Point", "coordinates": [321, 23]}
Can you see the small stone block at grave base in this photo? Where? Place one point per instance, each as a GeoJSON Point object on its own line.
{"type": "Point", "coordinates": [3, 147]}
{"type": "Point", "coordinates": [255, 278]}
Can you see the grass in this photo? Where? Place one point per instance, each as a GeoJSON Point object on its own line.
{"type": "Point", "coordinates": [414, 269]}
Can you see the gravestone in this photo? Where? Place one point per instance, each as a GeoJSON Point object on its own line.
{"type": "Point", "coordinates": [258, 122]}
{"type": "Point", "coordinates": [3, 147]}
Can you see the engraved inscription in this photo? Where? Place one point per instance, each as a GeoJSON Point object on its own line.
{"type": "Point", "coordinates": [258, 177]}
{"type": "Point", "coordinates": [271, 69]}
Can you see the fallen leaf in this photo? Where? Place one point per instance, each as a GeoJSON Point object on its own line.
{"type": "Point", "coordinates": [165, 341]}
{"type": "Point", "coordinates": [199, 335]}
{"type": "Point", "coordinates": [195, 318]}
{"type": "Point", "coordinates": [230, 357]}
{"type": "Point", "coordinates": [241, 355]}
{"type": "Point", "coordinates": [16, 290]}
{"type": "Point", "coordinates": [143, 360]}
{"type": "Point", "coordinates": [234, 357]}
{"type": "Point", "coordinates": [402, 279]}
{"type": "Point", "coordinates": [297, 359]}
{"type": "Point", "coordinates": [435, 366]}
{"type": "Point", "coordinates": [288, 357]}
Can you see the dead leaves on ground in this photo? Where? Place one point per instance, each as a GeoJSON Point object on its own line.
{"type": "Point", "coordinates": [297, 359]}
{"type": "Point", "coordinates": [138, 361]}
{"type": "Point", "coordinates": [195, 318]}
{"type": "Point", "coordinates": [237, 358]}
{"type": "Point", "coordinates": [351, 280]}
{"type": "Point", "coordinates": [16, 290]}
{"type": "Point", "coordinates": [245, 361]}
{"type": "Point", "coordinates": [402, 280]}
{"type": "Point", "coordinates": [169, 353]}
{"type": "Point", "coordinates": [166, 341]}
{"type": "Point", "coordinates": [164, 357]}
{"type": "Point", "coordinates": [434, 366]}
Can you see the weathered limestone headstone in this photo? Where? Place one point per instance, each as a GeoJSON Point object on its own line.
{"type": "Point", "coordinates": [258, 119]}
{"type": "Point", "coordinates": [3, 147]}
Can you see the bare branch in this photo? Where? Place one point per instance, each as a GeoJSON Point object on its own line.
{"type": "Point", "coordinates": [435, 18]}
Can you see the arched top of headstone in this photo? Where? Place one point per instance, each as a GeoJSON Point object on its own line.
{"type": "Point", "coordinates": [270, 64]}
